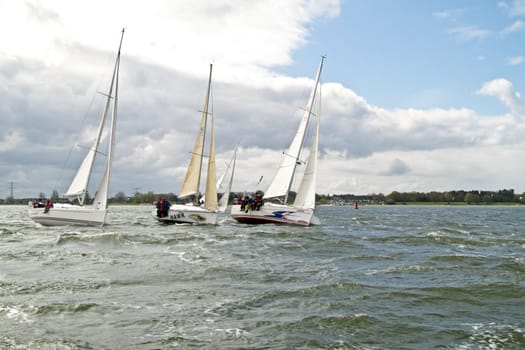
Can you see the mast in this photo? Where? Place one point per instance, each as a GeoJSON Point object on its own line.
{"type": "Point", "coordinates": [205, 114]}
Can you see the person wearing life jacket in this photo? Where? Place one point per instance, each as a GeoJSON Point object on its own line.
{"type": "Point", "coordinates": [49, 204]}
{"type": "Point", "coordinates": [165, 207]}
{"type": "Point", "coordinates": [159, 207]}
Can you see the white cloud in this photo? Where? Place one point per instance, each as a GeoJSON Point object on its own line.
{"type": "Point", "coordinates": [513, 61]}
{"type": "Point", "coordinates": [442, 15]}
{"type": "Point", "coordinates": [470, 33]}
{"type": "Point", "coordinates": [11, 140]}
{"type": "Point", "coordinates": [503, 5]}
{"type": "Point", "coordinates": [48, 87]}
{"type": "Point", "coordinates": [517, 8]}
{"type": "Point", "coordinates": [245, 37]}
{"type": "Point", "coordinates": [514, 27]}
{"type": "Point", "coordinates": [504, 91]}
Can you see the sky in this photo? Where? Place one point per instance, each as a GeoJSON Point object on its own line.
{"type": "Point", "coordinates": [416, 95]}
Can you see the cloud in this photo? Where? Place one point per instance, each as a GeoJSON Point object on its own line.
{"type": "Point", "coordinates": [503, 5]}
{"type": "Point", "coordinates": [515, 27]}
{"type": "Point", "coordinates": [514, 61]}
{"type": "Point", "coordinates": [517, 8]}
{"type": "Point", "coordinates": [49, 102]}
{"type": "Point", "coordinates": [470, 33]}
{"type": "Point", "coordinates": [397, 167]}
{"type": "Point", "coordinates": [449, 14]}
{"type": "Point", "coordinates": [504, 91]}
{"type": "Point", "coordinates": [175, 34]}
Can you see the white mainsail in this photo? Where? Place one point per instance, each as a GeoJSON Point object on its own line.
{"type": "Point", "coordinates": [101, 196]}
{"type": "Point", "coordinates": [305, 197]}
{"type": "Point", "coordinates": [78, 187]}
{"type": "Point", "coordinates": [223, 202]}
{"type": "Point", "coordinates": [283, 178]}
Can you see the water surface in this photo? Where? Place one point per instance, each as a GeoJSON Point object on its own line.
{"type": "Point", "coordinates": [380, 277]}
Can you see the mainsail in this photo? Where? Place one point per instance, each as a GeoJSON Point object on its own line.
{"type": "Point", "coordinates": [210, 202]}
{"type": "Point", "coordinates": [305, 197]}
{"type": "Point", "coordinates": [78, 187]}
{"type": "Point", "coordinates": [191, 182]}
{"type": "Point", "coordinates": [283, 178]}
{"type": "Point", "coordinates": [101, 197]}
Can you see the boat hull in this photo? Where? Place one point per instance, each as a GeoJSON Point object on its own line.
{"type": "Point", "coordinates": [187, 214]}
{"type": "Point", "coordinates": [67, 214]}
{"type": "Point", "coordinates": [275, 214]}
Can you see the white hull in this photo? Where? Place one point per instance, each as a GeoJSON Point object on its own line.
{"type": "Point", "coordinates": [188, 214]}
{"type": "Point", "coordinates": [276, 214]}
{"type": "Point", "coordinates": [67, 214]}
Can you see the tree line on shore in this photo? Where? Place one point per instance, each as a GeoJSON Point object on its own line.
{"type": "Point", "coordinates": [450, 197]}
{"type": "Point", "coordinates": [461, 196]}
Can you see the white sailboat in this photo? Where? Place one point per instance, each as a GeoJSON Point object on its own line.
{"type": "Point", "coordinates": [301, 212]}
{"type": "Point", "coordinates": [83, 214]}
{"type": "Point", "coordinates": [197, 211]}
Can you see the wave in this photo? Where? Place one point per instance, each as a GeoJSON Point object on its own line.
{"type": "Point", "coordinates": [493, 336]}
{"type": "Point", "coordinates": [102, 238]}
{"type": "Point", "coordinates": [6, 232]}
{"type": "Point", "coordinates": [44, 344]}
{"type": "Point", "coordinates": [61, 308]}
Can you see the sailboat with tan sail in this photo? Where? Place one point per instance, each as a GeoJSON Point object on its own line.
{"type": "Point", "coordinates": [197, 210]}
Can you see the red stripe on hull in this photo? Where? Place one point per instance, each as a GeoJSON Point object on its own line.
{"type": "Point", "coordinates": [256, 219]}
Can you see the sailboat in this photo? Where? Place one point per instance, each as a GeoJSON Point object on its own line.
{"type": "Point", "coordinates": [94, 214]}
{"type": "Point", "coordinates": [199, 210]}
{"type": "Point", "coordinates": [301, 212]}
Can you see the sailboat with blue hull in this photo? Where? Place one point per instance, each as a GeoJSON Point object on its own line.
{"type": "Point", "coordinates": [302, 211]}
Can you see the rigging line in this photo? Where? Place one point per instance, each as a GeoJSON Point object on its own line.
{"type": "Point", "coordinates": [299, 161]}
{"type": "Point", "coordinates": [200, 155]}
{"type": "Point", "coordinates": [310, 112]}
{"type": "Point", "coordinates": [104, 94]}
{"type": "Point", "coordinates": [207, 113]}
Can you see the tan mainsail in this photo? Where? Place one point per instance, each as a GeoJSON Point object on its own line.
{"type": "Point", "coordinates": [210, 202]}
{"type": "Point", "coordinates": [193, 173]}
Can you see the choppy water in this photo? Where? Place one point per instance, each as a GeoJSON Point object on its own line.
{"type": "Point", "coordinates": [375, 278]}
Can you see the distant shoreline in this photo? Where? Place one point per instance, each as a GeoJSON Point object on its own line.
{"type": "Point", "coordinates": [432, 203]}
